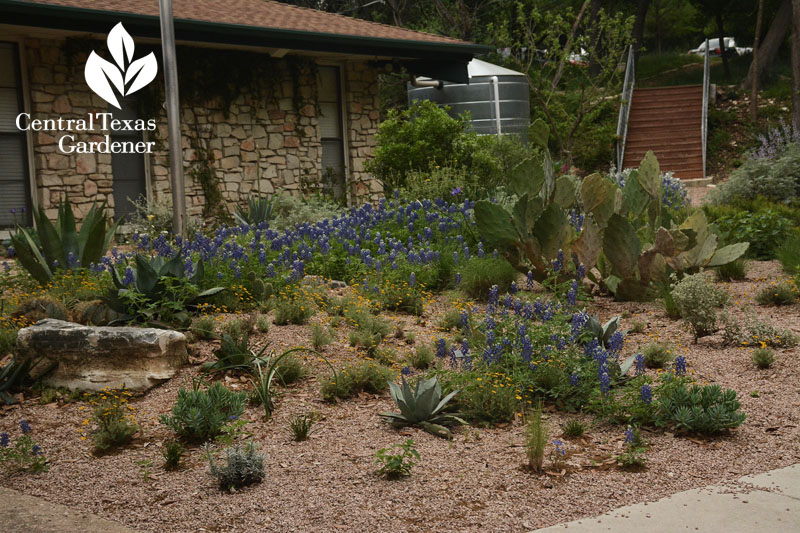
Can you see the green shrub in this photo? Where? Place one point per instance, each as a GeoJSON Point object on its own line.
{"type": "Point", "coordinates": [243, 466]}
{"type": "Point", "coordinates": [199, 415]}
{"type": "Point", "coordinates": [386, 356]}
{"type": "Point", "coordinates": [293, 311]}
{"type": "Point", "coordinates": [478, 275]}
{"type": "Point", "coordinates": [780, 293]}
{"type": "Point", "coordinates": [775, 179]}
{"type": "Point", "coordinates": [290, 370]}
{"type": "Point", "coordinates": [451, 319]}
{"type": "Point", "coordinates": [366, 376]}
{"type": "Point", "coordinates": [763, 357]}
{"type": "Point", "coordinates": [204, 328]}
{"type": "Point", "coordinates": [114, 420]}
{"type": "Point", "coordinates": [657, 355]}
{"type": "Point", "coordinates": [173, 452]}
{"type": "Point", "coordinates": [482, 397]}
{"type": "Point", "coordinates": [320, 336]}
{"type": "Point", "coordinates": [755, 332]}
{"type": "Point", "coordinates": [290, 211]}
{"type": "Point", "coordinates": [788, 254]}
{"type": "Point", "coordinates": [262, 324]}
{"type": "Point", "coordinates": [764, 230]}
{"type": "Point", "coordinates": [702, 410]}
{"type": "Point", "coordinates": [697, 300]}
{"type": "Point", "coordinates": [733, 271]}
{"type": "Point", "coordinates": [399, 464]}
{"type": "Point", "coordinates": [421, 358]}
{"type": "Point", "coordinates": [573, 429]}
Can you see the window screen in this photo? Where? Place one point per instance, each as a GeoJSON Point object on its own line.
{"type": "Point", "coordinates": [14, 184]}
{"type": "Point", "coordinates": [129, 174]}
{"type": "Point", "coordinates": [330, 125]}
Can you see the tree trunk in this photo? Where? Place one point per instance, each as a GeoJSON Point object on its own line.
{"type": "Point", "coordinates": [754, 93]}
{"type": "Point", "coordinates": [796, 62]}
{"type": "Point", "coordinates": [638, 28]}
{"type": "Point", "coordinates": [768, 48]}
{"type": "Point", "coordinates": [721, 32]}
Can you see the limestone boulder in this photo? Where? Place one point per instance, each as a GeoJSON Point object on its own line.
{"type": "Point", "coordinates": [91, 358]}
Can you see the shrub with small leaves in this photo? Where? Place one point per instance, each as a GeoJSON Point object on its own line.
{"type": "Point", "coordinates": [293, 311]}
{"type": "Point", "coordinates": [301, 427]}
{"type": "Point", "coordinates": [262, 323]}
{"type": "Point", "coordinates": [753, 332]}
{"type": "Point", "coordinates": [777, 294]}
{"type": "Point", "coordinates": [657, 355]}
{"type": "Point", "coordinates": [573, 429]}
{"type": "Point", "coordinates": [397, 461]}
{"type": "Point", "coordinates": [421, 358]}
{"type": "Point", "coordinates": [199, 415]}
{"type": "Point", "coordinates": [243, 466]}
{"type": "Point", "coordinates": [290, 370]}
{"type": "Point", "coordinates": [450, 320]}
{"type": "Point", "coordinates": [763, 357]}
{"type": "Point", "coordinates": [173, 453]}
{"type": "Point", "coordinates": [320, 336]}
{"type": "Point", "coordinates": [204, 328]}
{"type": "Point", "coordinates": [703, 410]}
{"type": "Point", "coordinates": [697, 300]}
{"type": "Point", "coordinates": [367, 376]}
{"type": "Point", "coordinates": [410, 337]}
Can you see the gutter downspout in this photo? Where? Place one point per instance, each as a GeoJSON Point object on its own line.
{"type": "Point", "coordinates": [426, 83]}
{"type": "Point", "coordinates": [496, 85]}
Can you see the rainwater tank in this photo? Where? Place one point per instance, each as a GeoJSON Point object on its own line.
{"type": "Point", "coordinates": [497, 99]}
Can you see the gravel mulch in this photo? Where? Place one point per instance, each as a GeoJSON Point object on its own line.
{"type": "Point", "coordinates": [474, 483]}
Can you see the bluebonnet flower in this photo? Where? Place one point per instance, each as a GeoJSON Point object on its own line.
{"type": "Point", "coordinates": [514, 289]}
{"type": "Point", "coordinates": [412, 280]}
{"type": "Point", "coordinates": [56, 264]}
{"type": "Point", "coordinates": [11, 251]}
{"type": "Point", "coordinates": [4, 440]}
{"type": "Point", "coordinates": [25, 427]}
{"type": "Point", "coordinates": [455, 257]}
{"type": "Point", "coordinates": [458, 279]}
{"type": "Point", "coordinates": [680, 365]}
{"type": "Point", "coordinates": [574, 380]}
{"type": "Point", "coordinates": [647, 393]}
{"type": "Point", "coordinates": [605, 380]}
{"type": "Point", "coordinates": [441, 348]}
{"type": "Point", "coordinates": [526, 350]}
{"type": "Point", "coordinates": [615, 342]}
{"type": "Point", "coordinates": [6, 266]}
{"type": "Point", "coordinates": [558, 262]}
{"type": "Point", "coordinates": [529, 281]}
{"type": "Point", "coordinates": [465, 321]}
{"type": "Point", "coordinates": [456, 191]}
{"type": "Point", "coordinates": [572, 294]}
{"type": "Point", "coordinates": [630, 435]}
{"type": "Point", "coordinates": [580, 272]}
{"type": "Point", "coordinates": [576, 219]}
{"type": "Point", "coordinates": [128, 278]}
{"type": "Point", "coordinates": [638, 365]}
{"type": "Point", "coordinates": [559, 447]}
{"type": "Point", "coordinates": [406, 371]}
{"type": "Point", "coordinates": [480, 249]}
{"type": "Point", "coordinates": [493, 295]}
{"type": "Point", "coordinates": [71, 261]}
{"type": "Point", "coordinates": [577, 323]}
{"type": "Point", "coordinates": [36, 450]}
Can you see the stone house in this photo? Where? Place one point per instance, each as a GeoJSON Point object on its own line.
{"type": "Point", "coordinates": [273, 98]}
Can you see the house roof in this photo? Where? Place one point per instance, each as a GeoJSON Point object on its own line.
{"type": "Point", "coordinates": [254, 22]}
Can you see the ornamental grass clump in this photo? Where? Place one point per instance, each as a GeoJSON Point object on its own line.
{"type": "Point", "coordinates": [293, 311]}
{"type": "Point", "coordinates": [321, 336]}
{"type": "Point", "coordinates": [733, 271]}
{"type": "Point", "coordinates": [301, 427]}
{"type": "Point", "coordinates": [697, 301]}
{"type": "Point", "coordinates": [478, 275]}
{"type": "Point", "coordinates": [199, 415]}
{"type": "Point", "coordinates": [421, 358]}
{"type": "Point", "coordinates": [573, 429]}
{"type": "Point", "coordinates": [535, 439]}
{"type": "Point", "coordinates": [367, 376]}
{"type": "Point", "coordinates": [657, 355]}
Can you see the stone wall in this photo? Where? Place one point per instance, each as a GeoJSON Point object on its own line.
{"type": "Point", "coordinates": [271, 144]}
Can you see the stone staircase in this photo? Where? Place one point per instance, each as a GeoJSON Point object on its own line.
{"type": "Point", "coordinates": [668, 121]}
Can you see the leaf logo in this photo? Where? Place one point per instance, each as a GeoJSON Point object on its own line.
{"type": "Point", "coordinates": [127, 76]}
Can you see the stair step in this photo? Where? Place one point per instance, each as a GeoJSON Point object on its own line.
{"type": "Point", "coordinates": [682, 89]}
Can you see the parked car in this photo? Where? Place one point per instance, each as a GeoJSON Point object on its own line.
{"type": "Point", "coordinates": [714, 50]}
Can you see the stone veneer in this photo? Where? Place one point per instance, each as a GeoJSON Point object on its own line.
{"type": "Point", "coordinates": [264, 146]}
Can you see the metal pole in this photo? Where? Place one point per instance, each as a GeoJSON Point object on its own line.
{"type": "Point", "coordinates": [173, 118]}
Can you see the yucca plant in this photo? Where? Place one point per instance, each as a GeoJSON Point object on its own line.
{"type": "Point", "coordinates": [61, 245]}
{"type": "Point", "coordinates": [422, 407]}
{"type": "Point", "coordinates": [259, 209]}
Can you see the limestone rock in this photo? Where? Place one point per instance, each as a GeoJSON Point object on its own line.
{"type": "Point", "coordinates": [91, 358]}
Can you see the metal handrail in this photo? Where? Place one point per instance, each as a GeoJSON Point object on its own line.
{"type": "Point", "coordinates": [625, 106]}
{"type": "Point", "coordinates": [703, 125]}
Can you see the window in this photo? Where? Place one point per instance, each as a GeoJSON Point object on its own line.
{"type": "Point", "coordinates": [14, 182]}
{"type": "Point", "coordinates": [331, 130]}
{"type": "Point", "coordinates": [130, 179]}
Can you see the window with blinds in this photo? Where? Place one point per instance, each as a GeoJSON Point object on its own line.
{"type": "Point", "coordinates": [14, 184]}
{"type": "Point", "coordinates": [331, 131]}
{"type": "Point", "coordinates": [130, 183]}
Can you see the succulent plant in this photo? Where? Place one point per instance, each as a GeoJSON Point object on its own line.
{"type": "Point", "coordinates": [62, 245]}
{"type": "Point", "coordinates": [423, 406]}
{"type": "Point", "coordinates": [259, 209]}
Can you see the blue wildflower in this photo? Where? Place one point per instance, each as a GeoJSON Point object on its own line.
{"type": "Point", "coordinates": [514, 289]}
{"type": "Point", "coordinates": [412, 280]}
{"type": "Point", "coordinates": [458, 279]}
{"type": "Point", "coordinates": [630, 435]}
{"type": "Point", "coordinates": [25, 427]}
{"type": "Point", "coordinates": [4, 440]}
{"type": "Point", "coordinates": [559, 447]}
{"type": "Point", "coordinates": [36, 450]}
{"type": "Point", "coordinates": [615, 342]}
{"type": "Point", "coordinates": [574, 380]}
{"type": "Point", "coordinates": [456, 191]}
{"type": "Point", "coordinates": [638, 365]}
{"type": "Point", "coordinates": [529, 281]}
{"type": "Point", "coordinates": [647, 393]}
{"type": "Point", "coordinates": [680, 365]}
{"type": "Point", "coordinates": [441, 348]}
{"type": "Point", "coordinates": [406, 371]}
{"type": "Point", "coordinates": [128, 278]}
{"type": "Point", "coordinates": [572, 294]}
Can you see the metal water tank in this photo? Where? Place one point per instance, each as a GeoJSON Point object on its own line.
{"type": "Point", "coordinates": [497, 99]}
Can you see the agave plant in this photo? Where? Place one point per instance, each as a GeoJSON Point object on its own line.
{"type": "Point", "coordinates": [152, 283]}
{"type": "Point", "coordinates": [259, 209]}
{"type": "Point", "coordinates": [422, 407]}
{"type": "Point", "coordinates": [61, 245]}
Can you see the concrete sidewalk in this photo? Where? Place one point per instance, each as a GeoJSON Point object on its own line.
{"type": "Point", "coordinates": [765, 502]}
